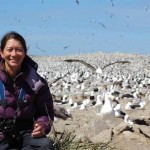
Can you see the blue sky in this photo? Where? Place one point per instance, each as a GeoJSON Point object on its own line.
{"type": "Point", "coordinates": [62, 27]}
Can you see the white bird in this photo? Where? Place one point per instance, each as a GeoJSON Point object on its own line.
{"type": "Point", "coordinates": [117, 110]}
{"type": "Point", "coordinates": [99, 71]}
{"type": "Point", "coordinates": [72, 104]}
{"type": "Point", "coordinates": [127, 120]}
{"type": "Point", "coordinates": [128, 106]}
{"type": "Point", "coordinates": [86, 101]}
{"type": "Point", "coordinates": [137, 101]}
{"type": "Point", "coordinates": [99, 100]}
{"type": "Point", "coordinates": [107, 112]}
{"type": "Point", "coordinates": [142, 104]}
{"type": "Point", "coordinates": [64, 99]}
{"type": "Point", "coordinates": [82, 107]}
{"type": "Point", "coordinates": [84, 104]}
{"type": "Point", "coordinates": [75, 105]}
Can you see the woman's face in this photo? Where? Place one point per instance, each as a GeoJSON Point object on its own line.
{"type": "Point", "coordinates": [13, 53]}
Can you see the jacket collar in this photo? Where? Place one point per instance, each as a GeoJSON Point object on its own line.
{"type": "Point", "coordinates": [33, 80]}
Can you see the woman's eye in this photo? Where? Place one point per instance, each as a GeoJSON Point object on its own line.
{"type": "Point", "coordinates": [16, 50]}
{"type": "Point", "coordinates": [19, 50]}
{"type": "Point", "coordinates": [10, 50]}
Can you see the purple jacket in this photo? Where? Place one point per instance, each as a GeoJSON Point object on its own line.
{"type": "Point", "coordinates": [37, 105]}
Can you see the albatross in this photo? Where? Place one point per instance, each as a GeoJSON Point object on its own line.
{"type": "Point", "coordinates": [107, 113]}
{"type": "Point", "coordinates": [98, 70]}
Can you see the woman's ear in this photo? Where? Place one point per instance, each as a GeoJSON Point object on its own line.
{"type": "Point", "coordinates": [1, 54]}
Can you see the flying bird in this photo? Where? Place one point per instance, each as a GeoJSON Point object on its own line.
{"type": "Point", "coordinates": [36, 45]}
{"type": "Point", "coordinates": [122, 62]}
{"type": "Point", "coordinates": [102, 25]}
{"type": "Point", "coordinates": [66, 47]}
{"type": "Point", "coordinates": [112, 3]}
{"type": "Point", "coordinates": [99, 70]}
{"type": "Point", "coordinates": [17, 19]}
{"type": "Point", "coordinates": [77, 2]}
{"type": "Point", "coordinates": [147, 8]}
{"type": "Point", "coordinates": [82, 62]}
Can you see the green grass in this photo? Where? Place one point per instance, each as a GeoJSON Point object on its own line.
{"type": "Point", "coordinates": [67, 141]}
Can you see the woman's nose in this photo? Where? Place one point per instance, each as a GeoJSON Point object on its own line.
{"type": "Point", "coordinates": [13, 53]}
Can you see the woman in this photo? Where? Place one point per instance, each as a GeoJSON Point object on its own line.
{"type": "Point", "coordinates": [26, 105]}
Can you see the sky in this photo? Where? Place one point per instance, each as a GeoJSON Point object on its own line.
{"type": "Point", "coordinates": [66, 27]}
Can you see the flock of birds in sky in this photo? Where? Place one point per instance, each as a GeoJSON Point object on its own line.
{"type": "Point", "coordinates": [112, 3]}
{"type": "Point", "coordinates": [46, 19]}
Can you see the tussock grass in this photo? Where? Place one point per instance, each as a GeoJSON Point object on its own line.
{"type": "Point", "coordinates": [67, 141]}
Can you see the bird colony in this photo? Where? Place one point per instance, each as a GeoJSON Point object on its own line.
{"type": "Point", "coordinates": [110, 85]}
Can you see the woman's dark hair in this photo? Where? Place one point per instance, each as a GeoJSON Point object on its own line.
{"type": "Point", "coordinates": [13, 35]}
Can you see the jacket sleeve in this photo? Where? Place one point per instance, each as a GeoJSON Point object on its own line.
{"type": "Point", "coordinates": [44, 113]}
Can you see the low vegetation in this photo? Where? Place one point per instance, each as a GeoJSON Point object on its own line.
{"type": "Point", "coordinates": [68, 141]}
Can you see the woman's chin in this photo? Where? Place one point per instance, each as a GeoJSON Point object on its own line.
{"type": "Point", "coordinates": [14, 64]}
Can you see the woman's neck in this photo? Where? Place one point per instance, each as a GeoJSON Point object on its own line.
{"type": "Point", "coordinates": [12, 71]}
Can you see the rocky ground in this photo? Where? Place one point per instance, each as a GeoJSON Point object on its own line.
{"type": "Point", "coordinates": [86, 124]}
